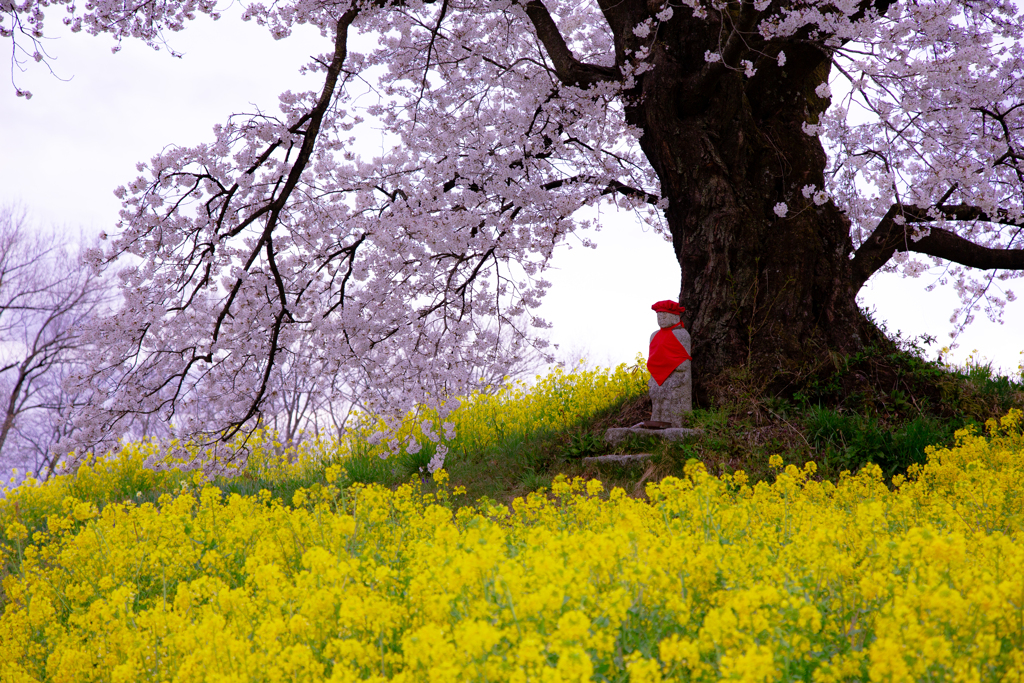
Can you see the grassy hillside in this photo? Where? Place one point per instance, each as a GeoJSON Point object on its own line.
{"type": "Point", "coordinates": [797, 539]}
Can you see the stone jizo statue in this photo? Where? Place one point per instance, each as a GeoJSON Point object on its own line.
{"type": "Point", "coordinates": [670, 385]}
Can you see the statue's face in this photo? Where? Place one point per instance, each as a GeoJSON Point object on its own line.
{"type": "Point", "coordinates": [667, 319]}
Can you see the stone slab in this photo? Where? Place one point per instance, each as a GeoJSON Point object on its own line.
{"type": "Point", "coordinates": [617, 435]}
{"type": "Point", "coordinates": [629, 459]}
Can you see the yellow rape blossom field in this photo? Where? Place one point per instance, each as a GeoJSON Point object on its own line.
{"type": "Point", "coordinates": [515, 412]}
{"type": "Point", "coordinates": [705, 579]}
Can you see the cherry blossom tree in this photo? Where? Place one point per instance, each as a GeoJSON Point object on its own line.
{"type": "Point", "coordinates": [787, 149]}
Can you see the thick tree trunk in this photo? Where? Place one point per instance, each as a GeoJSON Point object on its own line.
{"type": "Point", "coordinates": [768, 275]}
{"type": "Point", "coordinates": [762, 292]}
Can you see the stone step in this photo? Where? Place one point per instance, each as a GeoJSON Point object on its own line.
{"type": "Point", "coordinates": [620, 459]}
{"type": "Point", "coordinates": [617, 435]}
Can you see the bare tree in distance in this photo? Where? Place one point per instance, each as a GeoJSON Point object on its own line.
{"type": "Point", "coordinates": [46, 293]}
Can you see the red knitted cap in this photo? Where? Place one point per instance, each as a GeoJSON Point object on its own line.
{"type": "Point", "coordinates": [668, 306]}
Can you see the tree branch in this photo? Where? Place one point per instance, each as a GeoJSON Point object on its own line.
{"type": "Point", "coordinates": [612, 187]}
{"type": "Point", "coordinates": [889, 237]}
{"type": "Point", "coordinates": [570, 71]}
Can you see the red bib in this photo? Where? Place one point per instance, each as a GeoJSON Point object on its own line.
{"type": "Point", "coordinates": [667, 354]}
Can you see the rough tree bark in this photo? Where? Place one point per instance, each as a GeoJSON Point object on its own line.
{"type": "Point", "coordinates": [761, 291]}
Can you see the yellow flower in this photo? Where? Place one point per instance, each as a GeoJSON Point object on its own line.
{"type": "Point", "coordinates": [440, 477]}
{"type": "Point", "coordinates": [643, 670]}
{"type": "Point", "coordinates": [796, 578]}
{"type": "Point", "coordinates": [16, 531]}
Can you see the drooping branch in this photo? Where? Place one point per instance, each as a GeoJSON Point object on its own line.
{"type": "Point", "coordinates": [892, 235]}
{"type": "Point", "coordinates": [570, 71]}
{"type": "Point", "coordinates": [312, 132]}
{"type": "Point", "coordinates": [271, 211]}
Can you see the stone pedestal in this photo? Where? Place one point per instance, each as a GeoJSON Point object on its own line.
{"type": "Point", "coordinates": [673, 398]}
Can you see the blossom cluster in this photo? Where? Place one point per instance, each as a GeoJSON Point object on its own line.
{"type": "Point", "coordinates": [708, 578]}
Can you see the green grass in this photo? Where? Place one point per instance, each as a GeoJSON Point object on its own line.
{"type": "Point", "coordinates": [849, 441]}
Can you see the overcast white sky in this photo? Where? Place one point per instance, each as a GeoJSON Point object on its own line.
{"type": "Point", "coordinates": [63, 152]}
